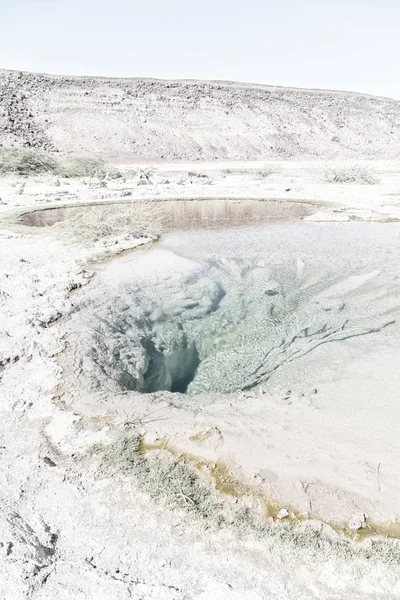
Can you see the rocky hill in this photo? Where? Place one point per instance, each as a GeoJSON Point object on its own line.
{"type": "Point", "coordinates": [129, 119]}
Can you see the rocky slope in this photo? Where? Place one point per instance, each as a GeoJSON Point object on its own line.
{"type": "Point", "coordinates": [153, 119]}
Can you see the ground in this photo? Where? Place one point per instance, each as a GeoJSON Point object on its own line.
{"type": "Point", "coordinates": [71, 527]}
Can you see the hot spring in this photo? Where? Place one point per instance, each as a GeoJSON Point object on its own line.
{"type": "Point", "coordinates": [215, 310]}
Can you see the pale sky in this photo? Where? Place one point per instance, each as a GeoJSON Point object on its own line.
{"type": "Point", "coordinates": [336, 44]}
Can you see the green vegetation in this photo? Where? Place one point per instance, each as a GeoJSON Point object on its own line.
{"type": "Point", "coordinates": [17, 161]}
{"type": "Point", "coordinates": [177, 484]}
{"type": "Point", "coordinates": [162, 477]}
{"type": "Point", "coordinates": [83, 167]}
{"type": "Point", "coordinates": [25, 162]}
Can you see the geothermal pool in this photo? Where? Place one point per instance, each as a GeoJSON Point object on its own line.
{"type": "Point", "coordinates": [211, 311]}
{"type": "Point", "coordinates": [280, 338]}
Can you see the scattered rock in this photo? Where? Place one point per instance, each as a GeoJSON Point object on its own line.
{"type": "Point", "coordinates": [94, 185]}
{"type": "Point", "coordinates": [73, 285]}
{"type": "Point", "coordinates": [197, 174]}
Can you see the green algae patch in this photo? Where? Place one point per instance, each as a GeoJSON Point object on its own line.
{"type": "Point", "coordinates": [225, 484]}
{"type": "Point", "coordinates": [221, 478]}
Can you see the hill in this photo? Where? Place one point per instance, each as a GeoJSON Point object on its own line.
{"type": "Point", "coordinates": [156, 119]}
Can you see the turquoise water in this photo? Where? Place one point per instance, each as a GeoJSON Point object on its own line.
{"type": "Point", "coordinates": [236, 309]}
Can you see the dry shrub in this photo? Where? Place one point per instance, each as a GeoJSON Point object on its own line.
{"type": "Point", "coordinates": [350, 174]}
{"type": "Point", "coordinates": [83, 167]}
{"type": "Point", "coordinates": [134, 220]}
{"type": "Point", "coordinates": [23, 162]}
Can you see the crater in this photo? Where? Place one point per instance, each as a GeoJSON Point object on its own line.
{"type": "Point", "coordinates": [219, 310]}
{"type": "Point", "coordinates": [172, 371]}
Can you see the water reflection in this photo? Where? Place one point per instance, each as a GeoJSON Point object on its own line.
{"type": "Point", "coordinates": [191, 214]}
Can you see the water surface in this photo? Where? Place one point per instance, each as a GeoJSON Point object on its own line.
{"type": "Point", "coordinates": [215, 311]}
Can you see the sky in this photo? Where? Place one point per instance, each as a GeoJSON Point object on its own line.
{"type": "Point", "coordinates": [329, 44]}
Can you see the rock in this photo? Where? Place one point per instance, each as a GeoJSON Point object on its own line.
{"type": "Point", "coordinates": [197, 174]}
{"type": "Point", "coordinates": [87, 274]}
{"type": "Point", "coordinates": [271, 292]}
{"type": "Point", "coordinates": [358, 522]}
{"type": "Point", "coordinates": [282, 514]}
{"type": "Point", "coordinates": [144, 181]}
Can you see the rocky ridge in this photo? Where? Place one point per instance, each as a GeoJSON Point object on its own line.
{"type": "Point", "coordinates": [191, 120]}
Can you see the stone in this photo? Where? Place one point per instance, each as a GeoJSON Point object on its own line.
{"type": "Point", "coordinates": [282, 514]}
{"type": "Point", "coordinates": [358, 522]}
